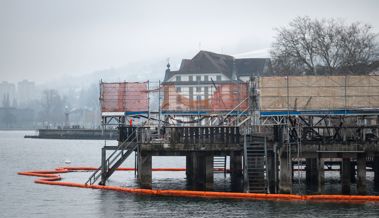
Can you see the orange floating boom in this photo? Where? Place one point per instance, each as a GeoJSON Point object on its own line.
{"type": "Point", "coordinates": [52, 177]}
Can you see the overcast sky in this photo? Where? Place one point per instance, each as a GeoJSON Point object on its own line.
{"type": "Point", "coordinates": [42, 40]}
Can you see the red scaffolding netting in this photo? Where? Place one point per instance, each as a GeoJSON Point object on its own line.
{"type": "Point", "coordinates": [206, 97]}
{"type": "Point", "coordinates": [124, 97]}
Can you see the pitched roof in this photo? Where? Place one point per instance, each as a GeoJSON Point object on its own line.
{"type": "Point", "coordinates": [252, 66]}
{"type": "Point", "coordinates": [169, 74]}
{"type": "Point", "coordinates": [206, 62]}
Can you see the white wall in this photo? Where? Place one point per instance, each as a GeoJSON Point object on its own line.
{"type": "Point", "coordinates": [185, 77]}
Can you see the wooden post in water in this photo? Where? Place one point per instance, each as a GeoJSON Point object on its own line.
{"type": "Point", "coordinates": [236, 171]}
{"type": "Point", "coordinates": [314, 172]}
{"type": "Point", "coordinates": [189, 168]}
{"type": "Point", "coordinates": [361, 174]}
{"type": "Point", "coordinates": [345, 175]}
{"type": "Point", "coordinates": [285, 180]}
{"type": "Point", "coordinates": [144, 170]}
{"type": "Point", "coordinates": [376, 171]}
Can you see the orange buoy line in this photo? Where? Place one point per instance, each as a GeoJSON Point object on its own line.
{"type": "Point", "coordinates": [52, 177]}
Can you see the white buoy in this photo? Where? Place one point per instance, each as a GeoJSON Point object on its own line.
{"type": "Point", "coordinates": [67, 161]}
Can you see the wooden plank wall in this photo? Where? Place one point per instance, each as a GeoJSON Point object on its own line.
{"type": "Point", "coordinates": [319, 92]}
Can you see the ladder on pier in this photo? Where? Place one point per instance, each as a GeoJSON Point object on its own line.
{"type": "Point", "coordinates": [219, 163]}
{"type": "Point", "coordinates": [118, 156]}
{"type": "Point", "coordinates": [255, 159]}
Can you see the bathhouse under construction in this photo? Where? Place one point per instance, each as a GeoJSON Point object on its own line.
{"type": "Point", "coordinates": [213, 109]}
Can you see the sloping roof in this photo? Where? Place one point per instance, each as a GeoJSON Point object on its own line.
{"type": "Point", "coordinates": [185, 64]}
{"type": "Point", "coordinates": [252, 66]}
{"type": "Point", "coordinates": [206, 62]}
{"type": "Point", "coordinates": [169, 74]}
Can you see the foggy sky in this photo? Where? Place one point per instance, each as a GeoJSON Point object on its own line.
{"type": "Point", "coordinates": [43, 40]}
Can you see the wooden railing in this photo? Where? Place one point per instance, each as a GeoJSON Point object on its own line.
{"type": "Point", "coordinates": [203, 135]}
{"type": "Point", "coordinates": [185, 135]}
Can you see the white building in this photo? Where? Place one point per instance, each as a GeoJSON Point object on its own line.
{"type": "Point", "coordinates": [209, 83]}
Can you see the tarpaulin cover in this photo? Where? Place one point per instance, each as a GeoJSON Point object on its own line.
{"type": "Point", "coordinates": [124, 97]}
{"type": "Point", "coordinates": [218, 97]}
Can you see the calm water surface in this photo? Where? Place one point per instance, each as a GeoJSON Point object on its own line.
{"type": "Point", "coordinates": [20, 197]}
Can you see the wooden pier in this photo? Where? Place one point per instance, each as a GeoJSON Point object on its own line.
{"type": "Point", "coordinates": [306, 123]}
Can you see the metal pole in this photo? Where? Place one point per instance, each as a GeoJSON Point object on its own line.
{"type": "Point", "coordinates": [265, 159]}
{"type": "Point", "coordinates": [103, 165]}
{"type": "Point", "coordinates": [159, 107]}
{"type": "Point", "coordinates": [275, 169]}
{"type": "Point", "coordinates": [298, 154]}
{"type": "Point", "coordinates": [148, 102]}
{"type": "Point", "coordinates": [245, 176]}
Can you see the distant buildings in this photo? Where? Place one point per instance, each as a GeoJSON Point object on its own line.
{"type": "Point", "coordinates": [26, 92]}
{"type": "Point", "coordinates": [21, 95]}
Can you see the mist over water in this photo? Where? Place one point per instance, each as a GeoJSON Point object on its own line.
{"type": "Point", "coordinates": [20, 197]}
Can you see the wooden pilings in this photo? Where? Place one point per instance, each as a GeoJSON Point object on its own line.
{"type": "Point", "coordinates": [345, 175]}
{"type": "Point", "coordinates": [361, 174]}
{"type": "Point", "coordinates": [285, 175]}
{"type": "Point", "coordinates": [144, 170]}
{"type": "Point", "coordinates": [236, 174]}
{"type": "Point", "coordinates": [314, 171]}
{"type": "Point", "coordinates": [200, 170]}
{"type": "Point", "coordinates": [376, 171]}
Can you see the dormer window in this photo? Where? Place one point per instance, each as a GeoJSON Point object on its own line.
{"type": "Point", "coordinates": [190, 78]}
{"type": "Point", "coordinates": [178, 79]}
{"type": "Point", "coordinates": [198, 78]}
{"type": "Point", "coordinates": [218, 78]}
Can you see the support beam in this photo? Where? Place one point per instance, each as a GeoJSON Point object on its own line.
{"type": "Point", "coordinates": [236, 171]}
{"type": "Point", "coordinates": [361, 174]}
{"type": "Point", "coordinates": [285, 180]}
{"type": "Point", "coordinates": [271, 172]}
{"type": "Point", "coordinates": [314, 171]}
{"type": "Point", "coordinates": [352, 173]}
{"type": "Point", "coordinates": [103, 165]}
{"type": "Point", "coordinates": [202, 174]}
{"type": "Point", "coordinates": [376, 170]}
{"type": "Point", "coordinates": [144, 170]}
{"type": "Point", "coordinates": [345, 175]}
{"type": "Point", "coordinates": [208, 168]}
{"type": "Point", "coordinates": [189, 168]}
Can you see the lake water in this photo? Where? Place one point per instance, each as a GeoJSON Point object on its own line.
{"type": "Point", "coordinates": [20, 197]}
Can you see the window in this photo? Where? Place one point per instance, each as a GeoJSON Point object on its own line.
{"type": "Point", "coordinates": [206, 92]}
{"type": "Point", "coordinates": [178, 89]}
{"type": "Point", "coordinates": [218, 78]}
{"type": "Point", "coordinates": [198, 89]}
{"type": "Point", "coordinates": [206, 78]}
{"type": "Point", "coordinates": [190, 93]}
{"type": "Point", "coordinates": [198, 78]}
{"type": "Point", "coordinates": [190, 78]}
{"type": "Point", "coordinates": [178, 79]}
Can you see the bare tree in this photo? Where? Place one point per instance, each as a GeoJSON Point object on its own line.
{"type": "Point", "coordinates": [329, 46]}
{"type": "Point", "coordinates": [53, 107]}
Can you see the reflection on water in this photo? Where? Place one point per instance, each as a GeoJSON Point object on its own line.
{"type": "Point", "coordinates": [20, 197]}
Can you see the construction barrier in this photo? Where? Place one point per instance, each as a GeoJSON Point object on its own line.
{"type": "Point", "coordinates": [52, 177]}
{"type": "Point", "coordinates": [124, 97]}
{"type": "Point", "coordinates": [209, 97]}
